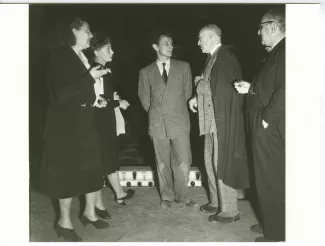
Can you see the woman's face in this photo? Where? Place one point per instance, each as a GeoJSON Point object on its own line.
{"type": "Point", "coordinates": [83, 36]}
{"type": "Point", "coordinates": [105, 53]}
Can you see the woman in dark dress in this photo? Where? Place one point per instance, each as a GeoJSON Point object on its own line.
{"type": "Point", "coordinates": [71, 164]}
{"type": "Point", "coordinates": [106, 123]}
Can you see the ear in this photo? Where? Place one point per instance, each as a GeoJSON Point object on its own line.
{"type": "Point", "coordinates": [74, 31]}
{"type": "Point", "coordinates": [273, 27]}
{"type": "Point", "coordinates": [155, 47]}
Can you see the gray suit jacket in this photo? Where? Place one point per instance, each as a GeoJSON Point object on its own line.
{"type": "Point", "coordinates": [166, 104]}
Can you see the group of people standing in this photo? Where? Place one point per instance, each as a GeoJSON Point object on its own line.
{"type": "Point", "coordinates": [80, 143]}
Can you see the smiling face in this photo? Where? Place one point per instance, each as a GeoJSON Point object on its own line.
{"type": "Point", "coordinates": [105, 53]}
{"type": "Point", "coordinates": [164, 47]}
{"type": "Point", "coordinates": [83, 36]}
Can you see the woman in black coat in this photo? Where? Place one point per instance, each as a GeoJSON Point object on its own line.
{"type": "Point", "coordinates": [71, 164]}
{"type": "Point", "coordinates": [106, 123]}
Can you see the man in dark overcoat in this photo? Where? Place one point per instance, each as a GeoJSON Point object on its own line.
{"type": "Point", "coordinates": [266, 120]}
{"type": "Point", "coordinates": [221, 120]}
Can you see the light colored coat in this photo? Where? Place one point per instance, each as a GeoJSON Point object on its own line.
{"type": "Point", "coordinates": [166, 104]}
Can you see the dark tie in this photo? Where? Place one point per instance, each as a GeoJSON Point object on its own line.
{"type": "Point", "coordinates": [164, 74]}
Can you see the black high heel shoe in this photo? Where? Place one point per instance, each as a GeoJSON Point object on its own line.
{"type": "Point", "coordinates": [68, 235]}
{"type": "Point", "coordinates": [102, 213]}
{"type": "Point", "coordinates": [129, 195]}
{"type": "Point", "coordinates": [98, 224]}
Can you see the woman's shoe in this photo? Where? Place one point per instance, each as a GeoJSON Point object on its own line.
{"type": "Point", "coordinates": [68, 235]}
{"type": "Point", "coordinates": [98, 224]}
{"type": "Point", "coordinates": [129, 195]}
{"type": "Point", "coordinates": [102, 213]}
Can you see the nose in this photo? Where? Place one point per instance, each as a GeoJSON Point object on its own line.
{"type": "Point", "coordinates": [259, 32]}
{"type": "Point", "coordinates": [90, 35]}
{"type": "Point", "coordinates": [112, 52]}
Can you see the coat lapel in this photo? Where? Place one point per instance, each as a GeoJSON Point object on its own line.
{"type": "Point", "coordinates": [172, 75]}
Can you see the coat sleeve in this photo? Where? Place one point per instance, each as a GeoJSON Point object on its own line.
{"type": "Point", "coordinates": [62, 84]}
{"type": "Point", "coordinates": [144, 90]}
{"type": "Point", "coordinates": [275, 110]}
{"type": "Point", "coordinates": [188, 82]}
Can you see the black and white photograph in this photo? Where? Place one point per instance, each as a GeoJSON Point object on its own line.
{"type": "Point", "coordinates": [160, 122]}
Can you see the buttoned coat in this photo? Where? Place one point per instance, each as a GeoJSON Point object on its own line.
{"type": "Point", "coordinates": [166, 104]}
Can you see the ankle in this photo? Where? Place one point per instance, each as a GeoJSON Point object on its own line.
{"type": "Point", "coordinates": [65, 224]}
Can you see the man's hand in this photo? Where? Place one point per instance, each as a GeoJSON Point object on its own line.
{"type": "Point", "coordinates": [265, 125]}
{"type": "Point", "coordinates": [193, 104]}
{"type": "Point", "coordinates": [242, 87]}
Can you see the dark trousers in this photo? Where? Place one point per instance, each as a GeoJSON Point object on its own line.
{"type": "Point", "coordinates": [269, 164]}
{"type": "Point", "coordinates": [174, 159]}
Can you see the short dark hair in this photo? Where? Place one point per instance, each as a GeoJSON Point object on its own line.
{"type": "Point", "coordinates": [99, 40]}
{"type": "Point", "coordinates": [157, 36]}
{"type": "Point", "coordinates": [277, 15]}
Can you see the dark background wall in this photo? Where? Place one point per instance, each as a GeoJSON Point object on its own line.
{"type": "Point", "coordinates": [129, 26]}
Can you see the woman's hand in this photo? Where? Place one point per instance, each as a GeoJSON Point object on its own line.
{"type": "Point", "coordinates": [124, 104]}
{"type": "Point", "coordinates": [100, 102]}
{"type": "Point", "coordinates": [97, 73]}
{"type": "Point", "coordinates": [115, 96]}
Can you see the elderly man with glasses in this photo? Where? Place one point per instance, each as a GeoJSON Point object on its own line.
{"type": "Point", "coordinates": [266, 121]}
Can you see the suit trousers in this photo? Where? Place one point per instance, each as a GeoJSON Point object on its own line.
{"type": "Point", "coordinates": [174, 158]}
{"type": "Point", "coordinates": [269, 164]}
{"type": "Point", "coordinates": [221, 195]}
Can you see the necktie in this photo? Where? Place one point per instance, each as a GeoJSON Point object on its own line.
{"type": "Point", "coordinates": [164, 74]}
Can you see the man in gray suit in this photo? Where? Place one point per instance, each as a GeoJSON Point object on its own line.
{"type": "Point", "coordinates": [165, 86]}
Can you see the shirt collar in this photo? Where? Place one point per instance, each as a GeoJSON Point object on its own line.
{"type": "Point", "coordinates": [215, 48]}
{"type": "Point", "coordinates": [275, 44]}
{"type": "Point", "coordinates": [167, 62]}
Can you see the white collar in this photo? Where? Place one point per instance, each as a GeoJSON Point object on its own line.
{"type": "Point", "coordinates": [215, 48]}
{"type": "Point", "coordinates": [167, 62]}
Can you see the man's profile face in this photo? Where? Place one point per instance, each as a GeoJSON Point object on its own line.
{"type": "Point", "coordinates": [264, 32]}
{"type": "Point", "coordinates": [205, 41]}
{"type": "Point", "coordinates": [165, 46]}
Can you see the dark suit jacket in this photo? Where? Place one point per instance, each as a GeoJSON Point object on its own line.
{"type": "Point", "coordinates": [166, 104]}
{"type": "Point", "coordinates": [228, 110]}
{"type": "Point", "coordinates": [269, 90]}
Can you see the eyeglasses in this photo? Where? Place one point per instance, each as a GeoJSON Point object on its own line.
{"type": "Point", "coordinates": [263, 23]}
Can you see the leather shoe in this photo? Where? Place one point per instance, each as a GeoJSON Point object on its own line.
{"type": "Point", "coordinates": [98, 224]}
{"type": "Point", "coordinates": [263, 239]}
{"type": "Point", "coordinates": [129, 195]}
{"type": "Point", "coordinates": [69, 235]}
{"type": "Point", "coordinates": [209, 209]}
{"type": "Point", "coordinates": [102, 213]}
{"type": "Point", "coordinates": [165, 204]}
{"type": "Point", "coordinates": [216, 218]}
{"type": "Point", "coordinates": [257, 229]}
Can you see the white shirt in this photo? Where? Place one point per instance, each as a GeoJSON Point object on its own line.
{"type": "Point", "coordinates": [99, 87]}
{"type": "Point", "coordinates": [215, 48]}
{"type": "Point", "coordinates": [160, 66]}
